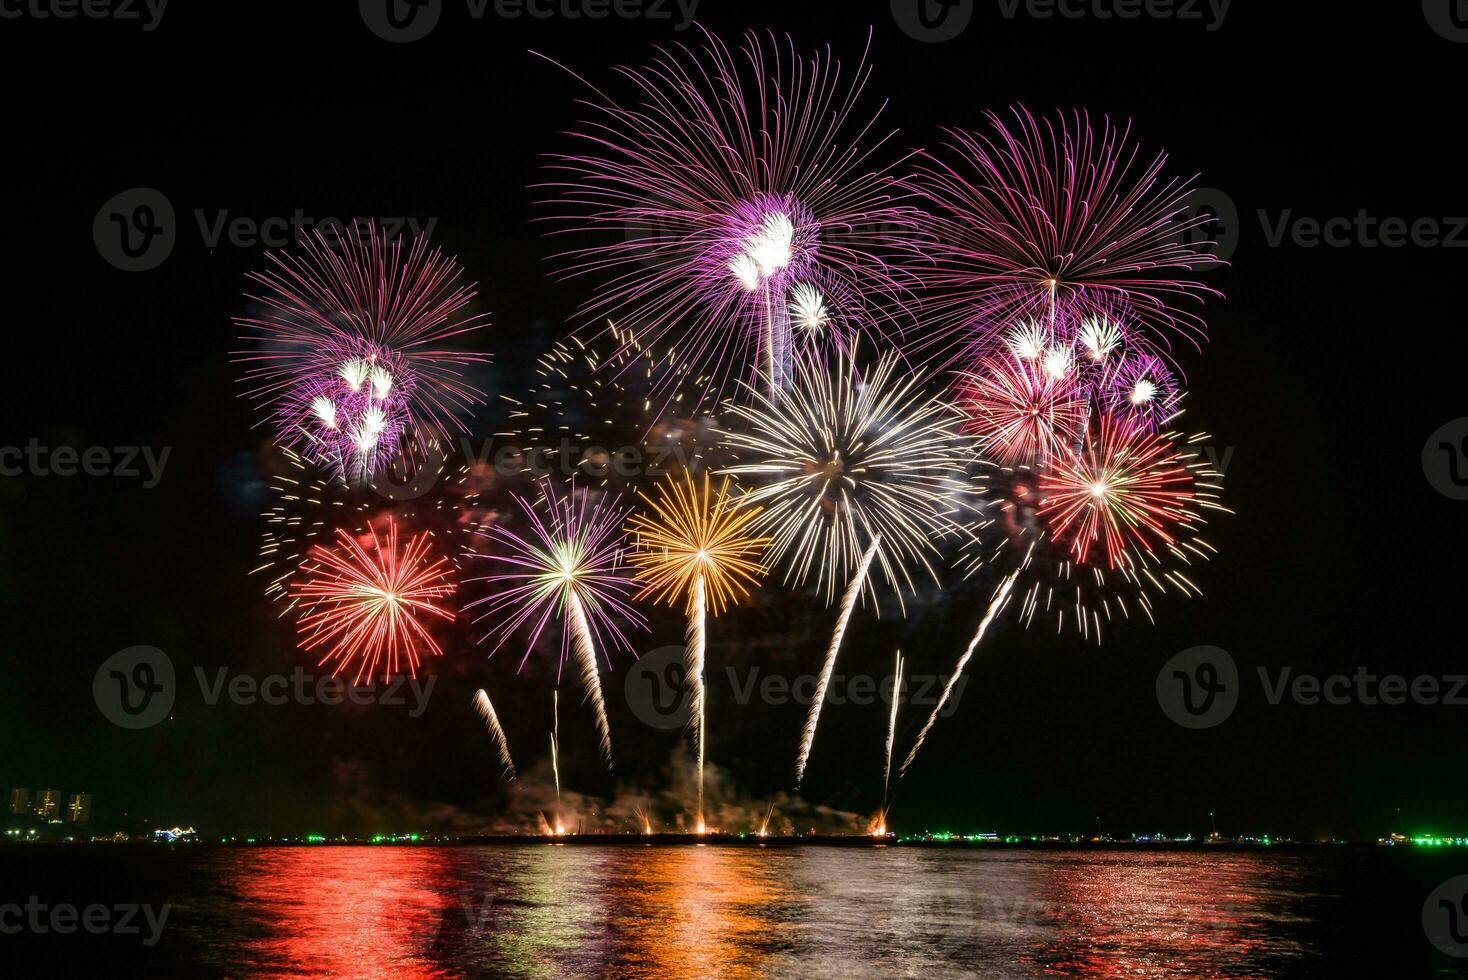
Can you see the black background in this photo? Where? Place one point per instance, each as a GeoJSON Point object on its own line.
{"type": "Point", "coordinates": [1327, 370]}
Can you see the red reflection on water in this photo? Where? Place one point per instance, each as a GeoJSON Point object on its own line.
{"type": "Point", "coordinates": [1156, 915]}
{"type": "Point", "coordinates": [343, 911]}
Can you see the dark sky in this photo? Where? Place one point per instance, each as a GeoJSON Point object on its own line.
{"type": "Point", "coordinates": [1328, 369]}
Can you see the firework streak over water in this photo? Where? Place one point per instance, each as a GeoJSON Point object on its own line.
{"type": "Point", "coordinates": [485, 709]}
{"type": "Point", "coordinates": [1054, 221]}
{"type": "Point", "coordinates": [349, 350]}
{"type": "Point", "coordinates": [693, 546]}
{"type": "Point", "coordinates": [571, 566]}
{"type": "Point", "coordinates": [369, 603]}
{"type": "Point", "coordinates": [858, 471]}
{"type": "Point", "coordinates": [727, 195]}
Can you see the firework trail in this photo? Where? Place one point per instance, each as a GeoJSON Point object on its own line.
{"type": "Point", "coordinates": [368, 603]}
{"type": "Point", "coordinates": [348, 350]}
{"type": "Point", "coordinates": [695, 639]}
{"type": "Point", "coordinates": [693, 543]}
{"type": "Point", "coordinates": [891, 738]}
{"type": "Point", "coordinates": [556, 744]}
{"type": "Point", "coordinates": [848, 602]}
{"type": "Point", "coordinates": [486, 711]}
{"type": "Point", "coordinates": [570, 566]}
{"type": "Point", "coordinates": [1054, 220]}
{"type": "Point", "coordinates": [1001, 598]}
{"type": "Point", "coordinates": [720, 183]}
{"type": "Point", "coordinates": [590, 677]}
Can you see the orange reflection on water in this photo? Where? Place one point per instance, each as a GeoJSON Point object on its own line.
{"type": "Point", "coordinates": [696, 912]}
{"type": "Point", "coordinates": [342, 911]}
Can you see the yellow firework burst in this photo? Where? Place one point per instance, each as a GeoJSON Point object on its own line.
{"type": "Point", "coordinates": [694, 538]}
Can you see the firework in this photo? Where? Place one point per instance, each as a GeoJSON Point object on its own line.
{"type": "Point", "coordinates": [727, 180]}
{"type": "Point", "coordinates": [571, 567]}
{"type": "Point", "coordinates": [891, 738]}
{"type": "Point", "coordinates": [996, 605]}
{"type": "Point", "coordinates": [694, 547]}
{"type": "Point", "coordinates": [439, 496]}
{"type": "Point", "coordinates": [1128, 492]}
{"type": "Point", "coordinates": [1141, 391]}
{"type": "Point", "coordinates": [485, 710]}
{"type": "Point", "coordinates": [1054, 222]}
{"type": "Point", "coordinates": [1021, 410]}
{"type": "Point", "coordinates": [348, 350]}
{"type": "Point", "coordinates": [1068, 528]}
{"type": "Point", "coordinates": [368, 603]}
{"type": "Point", "coordinates": [860, 472]}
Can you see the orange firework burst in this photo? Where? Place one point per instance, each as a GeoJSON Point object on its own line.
{"type": "Point", "coordinates": [692, 534]}
{"type": "Point", "coordinates": [695, 546]}
{"type": "Point", "coordinates": [368, 601]}
{"type": "Point", "coordinates": [1127, 490]}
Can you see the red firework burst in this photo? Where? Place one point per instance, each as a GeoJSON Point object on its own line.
{"type": "Point", "coordinates": [1024, 411]}
{"type": "Point", "coordinates": [1127, 489]}
{"type": "Point", "coordinates": [368, 601]}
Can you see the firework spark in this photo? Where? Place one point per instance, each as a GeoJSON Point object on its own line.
{"type": "Point", "coordinates": [851, 460]}
{"type": "Point", "coordinates": [694, 546]}
{"type": "Point", "coordinates": [348, 350]}
{"type": "Point", "coordinates": [1051, 220]}
{"type": "Point", "coordinates": [369, 603]}
{"type": "Point", "coordinates": [729, 178]}
{"type": "Point", "coordinates": [1141, 391]}
{"type": "Point", "coordinates": [485, 710]}
{"type": "Point", "coordinates": [571, 566]}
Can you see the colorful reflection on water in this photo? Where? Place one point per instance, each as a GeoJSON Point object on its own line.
{"type": "Point", "coordinates": [566, 911]}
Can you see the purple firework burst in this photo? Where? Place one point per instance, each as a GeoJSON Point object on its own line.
{"type": "Point", "coordinates": [1052, 221]}
{"type": "Point", "coordinates": [348, 352]}
{"type": "Point", "coordinates": [728, 180]}
{"type": "Point", "coordinates": [572, 566]}
{"type": "Point", "coordinates": [1141, 391]}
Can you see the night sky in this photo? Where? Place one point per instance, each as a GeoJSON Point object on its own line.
{"type": "Point", "coordinates": [1328, 369]}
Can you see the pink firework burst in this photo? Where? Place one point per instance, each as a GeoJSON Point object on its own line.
{"type": "Point", "coordinates": [726, 181]}
{"type": "Point", "coordinates": [348, 347]}
{"type": "Point", "coordinates": [368, 601]}
{"type": "Point", "coordinates": [1128, 491]}
{"type": "Point", "coordinates": [1024, 409]}
{"type": "Point", "coordinates": [1052, 220]}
